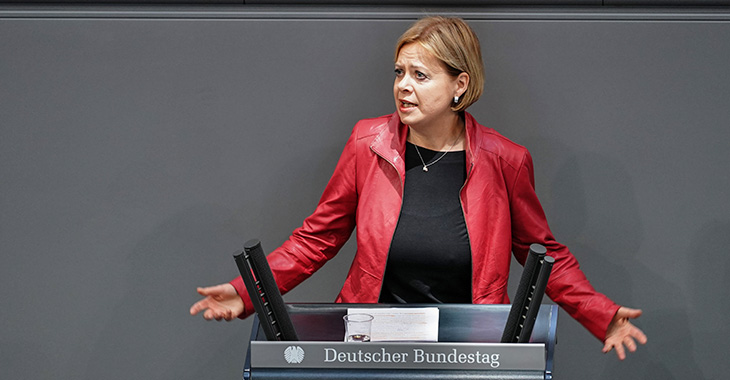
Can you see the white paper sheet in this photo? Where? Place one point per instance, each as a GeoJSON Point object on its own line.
{"type": "Point", "coordinates": [402, 324]}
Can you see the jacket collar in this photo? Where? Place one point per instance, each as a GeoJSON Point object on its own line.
{"type": "Point", "coordinates": [472, 140]}
{"type": "Point", "coordinates": [390, 142]}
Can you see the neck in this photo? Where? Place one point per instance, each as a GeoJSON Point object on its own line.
{"type": "Point", "coordinates": [440, 136]}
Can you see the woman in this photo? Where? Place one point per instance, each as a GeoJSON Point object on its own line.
{"type": "Point", "coordinates": [429, 188]}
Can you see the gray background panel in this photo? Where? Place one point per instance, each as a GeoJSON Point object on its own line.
{"type": "Point", "coordinates": [140, 147]}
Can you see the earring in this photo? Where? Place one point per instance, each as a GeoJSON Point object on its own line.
{"type": "Point", "coordinates": [456, 99]}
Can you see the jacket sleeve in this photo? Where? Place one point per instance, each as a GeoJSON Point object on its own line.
{"type": "Point", "coordinates": [568, 285]}
{"type": "Point", "coordinates": [321, 235]}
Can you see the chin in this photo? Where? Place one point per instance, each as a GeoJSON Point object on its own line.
{"type": "Point", "coordinates": [408, 119]}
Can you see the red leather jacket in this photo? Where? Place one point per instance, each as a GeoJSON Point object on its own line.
{"type": "Point", "coordinates": [501, 211]}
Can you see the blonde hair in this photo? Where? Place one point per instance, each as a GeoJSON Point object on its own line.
{"type": "Point", "coordinates": [455, 44]}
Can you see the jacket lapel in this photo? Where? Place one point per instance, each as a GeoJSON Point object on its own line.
{"type": "Point", "coordinates": [390, 144]}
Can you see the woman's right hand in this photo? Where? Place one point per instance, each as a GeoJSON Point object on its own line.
{"type": "Point", "coordinates": [220, 302]}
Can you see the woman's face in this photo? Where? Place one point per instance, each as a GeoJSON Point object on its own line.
{"type": "Point", "coordinates": [423, 89]}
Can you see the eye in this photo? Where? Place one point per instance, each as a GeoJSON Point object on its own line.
{"type": "Point", "coordinates": [420, 75]}
{"type": "Point", "coordinates": [398, 72]}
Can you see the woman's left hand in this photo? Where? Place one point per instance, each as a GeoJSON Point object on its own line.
{"type": "Point", "coordinates": [622, 334]}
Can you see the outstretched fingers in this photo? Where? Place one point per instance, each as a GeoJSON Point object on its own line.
{"type": "Point", "coordinates": [622, 335]}
{"type": "Point", "coordinates": [220, 302]}
{"type": "Point", "coordinates": [620, 352]}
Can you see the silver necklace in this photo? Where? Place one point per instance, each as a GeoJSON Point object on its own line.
{"type": "Point", "coordinates": [426, 165]}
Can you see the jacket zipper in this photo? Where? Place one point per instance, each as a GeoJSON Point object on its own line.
{"type": "Point", "coordinates": [466, 225]}
{"type": "Point", "coordinates": [402, 190]}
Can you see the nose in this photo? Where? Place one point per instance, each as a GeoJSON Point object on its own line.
{"type": "Point", "coordinates": [403, 84]}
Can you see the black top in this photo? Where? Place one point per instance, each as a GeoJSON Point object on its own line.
{"type": "Point", "coordinates": [430, 257]}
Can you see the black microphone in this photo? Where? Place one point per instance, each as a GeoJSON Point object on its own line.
{"type": "Point", "coordinates": [264, 293]}
{"type": "Point", "coordinates": [530, 291]}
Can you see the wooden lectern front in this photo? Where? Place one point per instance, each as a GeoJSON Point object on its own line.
{"type": "Point", "coordinates": [468, 347]}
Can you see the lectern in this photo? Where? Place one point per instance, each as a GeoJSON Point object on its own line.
{"type": "Point", "coordinates": [468, 347]}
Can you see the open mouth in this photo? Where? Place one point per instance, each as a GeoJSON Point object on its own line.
{"type": "Point", "coordinates": [403, 103]}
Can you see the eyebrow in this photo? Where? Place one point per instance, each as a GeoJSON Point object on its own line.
{"type": "Point", "coordinates": [416, 67]}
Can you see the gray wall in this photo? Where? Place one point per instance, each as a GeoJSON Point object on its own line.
{"type": "Point", "coordinates": [140, 147]}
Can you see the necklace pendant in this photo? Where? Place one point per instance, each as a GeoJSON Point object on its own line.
{"type": "Point", "coordinates": [425, 168]}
